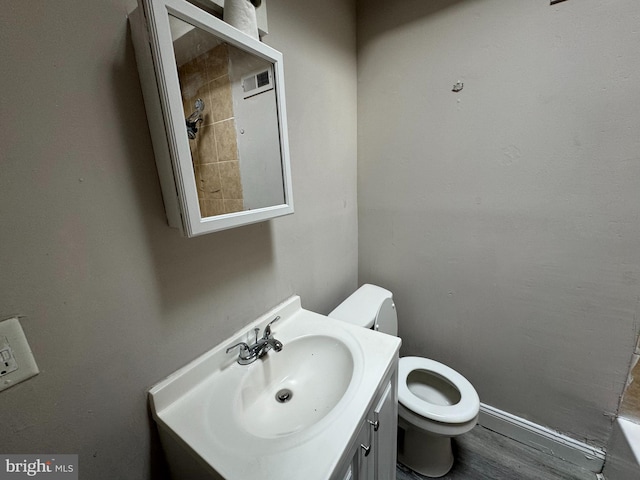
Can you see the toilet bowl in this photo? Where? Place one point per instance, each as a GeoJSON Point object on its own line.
{"type": "Point", "coordinates": [435, 402]}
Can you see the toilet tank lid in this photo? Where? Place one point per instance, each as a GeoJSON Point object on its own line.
{"type": "Point", "coordinates": [362, 306]}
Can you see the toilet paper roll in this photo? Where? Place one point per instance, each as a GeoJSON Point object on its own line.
{"type": "Point", "coordinates": [241, 14]}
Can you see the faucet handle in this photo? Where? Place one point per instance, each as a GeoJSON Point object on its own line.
{"type": "Point", "coordinates": [267, 329]}
{"type": "Point", "coordinates": [244, 348]}
{"type": "Point", "coordinates": [246, 355]}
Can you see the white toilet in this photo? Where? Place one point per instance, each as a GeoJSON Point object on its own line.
{"type": "Point", "coordinates": [435, 402]}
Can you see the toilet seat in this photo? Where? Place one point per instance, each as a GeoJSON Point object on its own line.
{"type": "Point", "coordinates": [463, 411]}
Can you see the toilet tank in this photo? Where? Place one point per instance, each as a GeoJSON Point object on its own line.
{"type": "Point", "coordinates": [371, 307]}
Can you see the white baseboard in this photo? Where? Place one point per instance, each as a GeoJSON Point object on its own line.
{"type": "Point", "coordinates": [542, 438]}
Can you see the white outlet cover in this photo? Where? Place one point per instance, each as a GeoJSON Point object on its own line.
{"type": "Point", "coordinates": [13, 340]}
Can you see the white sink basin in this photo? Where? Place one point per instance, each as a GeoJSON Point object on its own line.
{"type": "Point", "coordinates": [293, 389]}
{"type": "Point", "coordinates": [320, 367]}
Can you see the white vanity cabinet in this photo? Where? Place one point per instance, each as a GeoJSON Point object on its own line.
{"type": "Point", "coordinates": [372, 456]}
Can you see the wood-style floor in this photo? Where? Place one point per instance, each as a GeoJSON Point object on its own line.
{"type": "Point", "coordinates": [485, 455]}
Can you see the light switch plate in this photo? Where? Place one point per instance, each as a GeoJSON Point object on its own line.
{"type": "Point", "coordinates": [16, 360]}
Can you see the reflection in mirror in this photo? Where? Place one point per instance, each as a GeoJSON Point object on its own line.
{"type": "Point", "coordinates": [231, 121]}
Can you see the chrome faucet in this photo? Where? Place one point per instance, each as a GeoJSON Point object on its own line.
{"type": "Point", "coordinates": [250, 353]}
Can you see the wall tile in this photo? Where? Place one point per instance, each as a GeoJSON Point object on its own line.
{"type": "Point", "coordinates": [226, 140]}
{"type": "Point", "coordinates": [234, 205]}
{"type": "Point", "coordinates": [211, 207]}
{"type": "Point", "coordinates": [219, 187]}
{"type": "Point", "coordinates": [220, 98]}
{"type": "Point", "coordinates": [206, 144]}
{"type": "Point", "coordinates": [208, 181]}
{"type": "Point", "coordinates": [230, 180]}
{"type": "Point", "coordinates": [217, 61]}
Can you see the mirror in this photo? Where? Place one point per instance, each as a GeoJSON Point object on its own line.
{"type": "Point", "coordinates": [221, 145]}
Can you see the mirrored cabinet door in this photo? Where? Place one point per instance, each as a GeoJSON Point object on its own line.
{"type": "Point", "coordinates": [221, 142]}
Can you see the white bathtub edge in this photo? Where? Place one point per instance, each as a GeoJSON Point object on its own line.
{"type": "Point", "coordinates": [623, 452]}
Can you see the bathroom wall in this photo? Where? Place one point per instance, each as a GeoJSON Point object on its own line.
{"type": "Point", "coordinates": [505, 217]}
{"type": "Point", "coordinates": [111, 299]}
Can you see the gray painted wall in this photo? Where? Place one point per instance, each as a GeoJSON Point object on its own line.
{"type": "Point", "coordinates": [112, 299]}
{"type": "Point", "coordinates": [506, 217]}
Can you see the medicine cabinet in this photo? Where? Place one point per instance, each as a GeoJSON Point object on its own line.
{"type": "Point", "coordinates": [216, 110]}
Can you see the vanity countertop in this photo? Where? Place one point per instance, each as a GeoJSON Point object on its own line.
{"type": "Point", "coordinates": [202, 405]}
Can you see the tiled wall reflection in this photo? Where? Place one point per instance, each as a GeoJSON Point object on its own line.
{"type": "Point", "coordinates": [214, 151]}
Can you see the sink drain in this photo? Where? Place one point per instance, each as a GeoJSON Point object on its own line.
{"type": "Point", "coordinates": [284, 395]}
